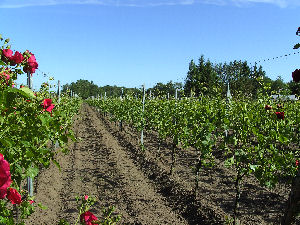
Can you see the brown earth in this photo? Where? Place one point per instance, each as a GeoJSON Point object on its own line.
{"type": "Point", "coordinates": [110, 165]}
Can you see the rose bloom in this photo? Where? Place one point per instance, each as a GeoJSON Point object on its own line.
{"type": "Point", "coordinates": [14, 196]}
{"type": "Point", "coordinates": [280, 115]}
{"type": "Point", "coordinates": [87, 218]}
{"type": "Point", "coordinates": [5, 178]}
{"type": "Point", "coordinates": [32, 61]}
{"type": "Point", "coordinates": [32, 65]}
{"type": "Point", "coordinates": [48, 106]}
{"type": "Point", "coordinates": [31, 202]}
{"type": "Point", "coordinates": [17, 58]}
{"type": "Point", "coordinates": [28, 69]}
{"type": "Point", "coordinates": [47, 102]}
{"type": "Point", "coordinates": [7, 53]}
{"type": "Point", "coordinates": [296, 75]}
{"type": "Point", "coordinates": [268, 107]}
{"type": "Point", "coordinates": [49, 109]}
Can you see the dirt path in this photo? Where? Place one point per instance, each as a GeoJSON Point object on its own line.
{"type": "Point", "coordinates": [99, 166]}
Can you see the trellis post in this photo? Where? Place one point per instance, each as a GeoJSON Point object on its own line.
{"type": "Point", "coordinates": [142, 132]}
{"type": "Point", "coordinates": [58, 91]}
{"type": "Point", "coordinates": [228, 99]}
{"type": "Point", "coordinates": [29, 179]}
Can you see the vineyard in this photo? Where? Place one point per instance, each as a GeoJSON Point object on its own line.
{"type": "Point", "coordinates": [252, 140]}
{"type": "Point", "coordinates": [144, 160]}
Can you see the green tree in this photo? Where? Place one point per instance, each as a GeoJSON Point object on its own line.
{"type": "Point", "coordinates": [161, 89]}
{"type": "Point", "coordinates": [278, 86]}
{"type": "Point", "coordinates": [201, 78]}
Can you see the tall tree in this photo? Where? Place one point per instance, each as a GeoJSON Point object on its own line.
{"type": "Point", "coordinates": [201, 78]}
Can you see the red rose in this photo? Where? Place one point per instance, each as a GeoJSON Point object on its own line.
{"type": "Point", "coordinates": [5, 178]}
{"type": "Point", "coordinates": [31, 202]}
{"type": "Point", "coordinates": [280, 115]}
{"type": "Point", "coordinates": [88, 218]}
{"type": "Point", "coordinates": [48, 106]}
{"type": "Point", "coordinates": [49, 109]}
{"type": "Point", "coordinates": [47, 102]}
{"type": "Point", "coordinates": [7, 53]}
{"type": "Point", "coordinates": [268, 107]}
{"type": "Point", "coordinates": [17, 58]}
{"type": "Point", "coordinates": [14, 196]}
{"type": "Point", "coordinates": [32, 61]}
{"type": "Point", "coordinates": [31, 65]}
{"type": "Point", "coordinates": [297, 163]}
{"type": "Point", "coordinates": [27, 69]}
{"type": "Point", "coordinates": [296, 75]}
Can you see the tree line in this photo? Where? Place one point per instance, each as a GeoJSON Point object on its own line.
{"type": "Point", "coordinates": [203, 78]}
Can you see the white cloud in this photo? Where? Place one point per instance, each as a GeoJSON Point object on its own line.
{"type": "Point", "coordinates": [141, 3]}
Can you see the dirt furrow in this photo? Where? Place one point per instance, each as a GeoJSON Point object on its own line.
{"type": "Point", "coordinates": [99, 166]}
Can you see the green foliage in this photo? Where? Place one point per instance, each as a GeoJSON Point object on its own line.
{"type": "Point", "coordinates": [86, 89]}
{"type": "Point", "coordinates": [201, 79]}
{"type": "Point", "coordinates": [162, 90]}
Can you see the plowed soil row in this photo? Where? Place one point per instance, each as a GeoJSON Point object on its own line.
{"type": "Point", "coordinates": [110, 165]}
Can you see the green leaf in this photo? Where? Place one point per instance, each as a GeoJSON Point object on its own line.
{"type": "Point", "coordinates": [28, 92]}
{"type": "Point", "coordinates": [7, 142]}
{"type": "Point", "coordinates": [63, 138]}
{"type": "Point", "coordinates": [44, 150]}
{"type": "Point", "coordinates": [25, 92]}
{"type": "Point", "coordinates": [56, 164]}
{"type": "Point", "coordinates": [72, 137]}
{"type": "Point", "coordinates": [42, 206]}
{"type": "Point", "coordinates": [282, 139]}
{"type": "Point", "coordinates": [253, 167]}
{"type": "Point", "coordinates": [229, 162]}
{"type": "Point", "coordinates": [32, 172]}
{"type": "Point", "coordinates": [27, 144]}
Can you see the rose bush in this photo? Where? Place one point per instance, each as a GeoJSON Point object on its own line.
{"type": "Point", "coordinates": [24, 146]}
{"type": "Point", "coordinates": [5, 177]}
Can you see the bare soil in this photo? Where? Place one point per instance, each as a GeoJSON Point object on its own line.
{"type": "Point", "coordinates": [109, 164]}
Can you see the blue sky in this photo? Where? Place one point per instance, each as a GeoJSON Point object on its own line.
{"type": "Point", "coordinates": [131, 42]}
